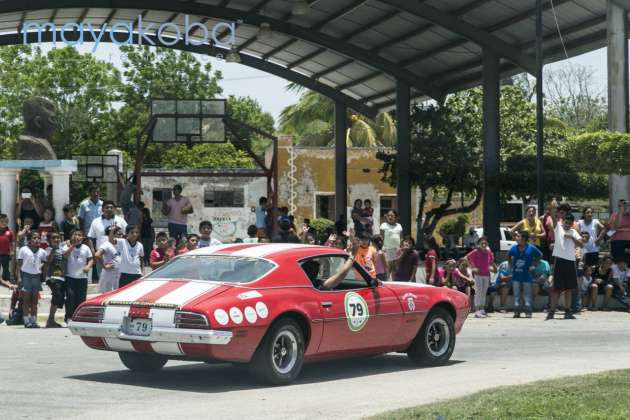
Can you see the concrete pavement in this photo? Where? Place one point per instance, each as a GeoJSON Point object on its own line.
{"type": "Point", "coordinates": [51, 374]}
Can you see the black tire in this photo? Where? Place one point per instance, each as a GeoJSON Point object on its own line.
{"type": "Point", "coordinates": [142, 362]}
{"type": "Point", "coordinates": [425, 349]}
{"type": "Point", "coordinates": [280, 356]}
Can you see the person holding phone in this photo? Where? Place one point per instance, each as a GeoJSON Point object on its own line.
{"type": "Point", "coordinates": [28, 207]}
{"type": "Point", "coordinates": [620, 224]}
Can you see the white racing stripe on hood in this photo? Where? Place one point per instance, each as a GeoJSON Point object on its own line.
{"type": "Point", "coordinates": [260, 251]}
{"type": "Point", "coordinates": [136, 291]}
{"type": "Point", "coordinates": [186, 293]}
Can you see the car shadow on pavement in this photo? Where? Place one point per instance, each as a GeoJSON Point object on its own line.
{"type": "Point", "coordinates": [214, 378]}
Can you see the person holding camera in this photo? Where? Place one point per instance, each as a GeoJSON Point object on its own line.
{"type": "Point", "coordinates": [620, 240]}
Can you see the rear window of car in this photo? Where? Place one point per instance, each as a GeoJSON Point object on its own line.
{"type": "Point", "coordinates": [223, 268]}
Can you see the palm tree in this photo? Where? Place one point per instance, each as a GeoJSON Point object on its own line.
{"type": "Point", "coordinates": [311, 120]}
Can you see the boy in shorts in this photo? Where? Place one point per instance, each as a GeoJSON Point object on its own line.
{"type": "Point", "coordinates": [30, 260]}
{"type": "Point", "coordinates": [55, 272]}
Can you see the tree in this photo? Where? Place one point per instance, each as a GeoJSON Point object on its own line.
{"type": "Point", "coordinates": [572, 95]}
{"type": "Point", "coordinates": [165, 73]}
{"type": "Point", "coordinates": [520, 178]}
{"type": "Point", "coordinates": [445, 156]}
{"type": "Point", "coordinates": [446, 144]}
{"type": "Point", "coordinates": [312, 121]}
{"type": "Point", "coordinates": [83, 88]}
{"type": "Point", "coordinates": [601, 152]}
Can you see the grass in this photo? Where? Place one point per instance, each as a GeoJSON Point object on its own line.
{"type": "Point", "coordinates": [599, 396]}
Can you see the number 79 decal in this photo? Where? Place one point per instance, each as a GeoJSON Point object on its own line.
{"type": "Point", "coordinates": [357, 312]}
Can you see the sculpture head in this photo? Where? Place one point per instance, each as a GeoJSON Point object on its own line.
{"type": "Point", "coordinates": [39, 117]}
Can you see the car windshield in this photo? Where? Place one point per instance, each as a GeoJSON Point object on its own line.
{"type": "Point", "coordinates": [223, 268]}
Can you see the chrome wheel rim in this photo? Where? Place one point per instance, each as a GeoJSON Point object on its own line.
{"type": "Point", "coordinates": [438, 337]}
{"type": "Point", "coordinates": [285, 352]}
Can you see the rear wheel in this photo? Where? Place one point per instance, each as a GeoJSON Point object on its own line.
{"type": "Point", "coordinates": [142, 362]}
{"type": "Point", "coordinates": [435, 341]}
{"type": "Point", "coordinates": [280, 356]}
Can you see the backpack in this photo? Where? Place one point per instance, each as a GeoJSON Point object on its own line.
{"type": "Point", "coordinates": [16, 317]}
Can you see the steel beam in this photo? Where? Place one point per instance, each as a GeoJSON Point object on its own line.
{"type": "Point", "coordinates": [466, 30]}
{"type": "Point", "coordinates": [617, 51]}
{"type": "Point", "coordinates": [341, 161]}
{"type": "Point", "coordinates": [491, 149]}
{"type": "Point", "coordinates": [403, 159]}
{"type": "Point", "coordinates": [247, 60]}
{"type": "Point", "coordinates": [540, 118]}
{"type": "Point", "coordinates": [279, 25]}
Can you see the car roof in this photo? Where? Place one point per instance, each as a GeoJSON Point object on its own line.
{"type": "Point", "coordinates": [271, 251]}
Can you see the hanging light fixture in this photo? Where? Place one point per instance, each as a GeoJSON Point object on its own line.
{"type": "Point", "coordinates": [300, 7]}
{"type": "Point", "coordinates": [264, 32]}
{"type": "Point", "coordinates": [233, 56]}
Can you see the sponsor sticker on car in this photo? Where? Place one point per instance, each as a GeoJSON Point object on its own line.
{"type": "Point", "coordinates": [357, 312]}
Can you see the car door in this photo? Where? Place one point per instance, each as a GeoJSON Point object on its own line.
{"type": "Point", "coordinates": [356, 316]}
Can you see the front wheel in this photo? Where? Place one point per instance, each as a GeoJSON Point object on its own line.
{"type": "Point", "coordinates": [435, 341]}
{"type": "Point", "coordinates": [280, 356]}
{"type": "Point", "coordinates": [142, 362]}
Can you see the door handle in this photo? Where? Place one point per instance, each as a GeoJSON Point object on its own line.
{"type": "Point", "coordinates": [326, 304]}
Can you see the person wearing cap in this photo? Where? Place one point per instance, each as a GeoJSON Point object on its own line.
{"type": "Point", "coordinates": [177, 209]}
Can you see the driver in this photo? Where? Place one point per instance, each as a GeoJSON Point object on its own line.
{"type": "Point", "coordinates": [311, 268]}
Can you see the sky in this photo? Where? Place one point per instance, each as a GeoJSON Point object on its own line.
{"type": "Point", "coordinates": [271, 93]}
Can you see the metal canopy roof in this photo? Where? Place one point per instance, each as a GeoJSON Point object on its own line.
{"type": "Point", "coordinates": [354, 50]}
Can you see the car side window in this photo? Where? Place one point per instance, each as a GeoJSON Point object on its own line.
{"type": "Point", "coordinates": [318, 269]}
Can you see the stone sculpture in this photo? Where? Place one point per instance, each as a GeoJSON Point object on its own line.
{"type": "Point", "coordinates": [40, 125]}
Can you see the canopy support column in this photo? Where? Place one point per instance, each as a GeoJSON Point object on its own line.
{"type": "Point", "coordinates": [491, 149]}
{"type": "Point", "coordinates": [341, 161]}
{"type": "Point", "coordinates": [617, 32]}
{"type": "Point", "coordinates": [403, 161]}
{"type": "Point", "coordinates": [540, 117]}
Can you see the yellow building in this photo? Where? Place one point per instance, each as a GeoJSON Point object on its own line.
{"type": "Point", "coordinates": [306, 181]}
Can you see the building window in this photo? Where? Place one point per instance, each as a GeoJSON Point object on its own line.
{"type": "Point", "coordinates": [387, 203]}
{"type": "Point", "coordinates": [325, 206]}
{"type": "Point", "coordinates": [224, 198]}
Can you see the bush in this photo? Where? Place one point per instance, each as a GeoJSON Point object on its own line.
{"type": "Point", "coordinates": [320, 225]}
{"type": "Point", "coordinates": [454, 226]}
{"type": "Point", "coordinates": [602, 152]}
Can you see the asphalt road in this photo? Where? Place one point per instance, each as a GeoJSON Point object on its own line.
{"type": "Point", "coordinates": [50, 374]}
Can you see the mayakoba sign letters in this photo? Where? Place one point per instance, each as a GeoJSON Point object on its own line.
{"type": "Point", "coordinates": [122, 33]}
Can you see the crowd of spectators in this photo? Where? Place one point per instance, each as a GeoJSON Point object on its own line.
{"type": "Point", "coordinates": [554, 254]}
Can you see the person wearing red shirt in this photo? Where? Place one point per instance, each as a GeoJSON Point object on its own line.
{"type": "Point", "coordinates": [162, 252]}
{"type": "Point", "coordinates": [7, 240]}
{"type": "Point", "coordinates": [192, 241]}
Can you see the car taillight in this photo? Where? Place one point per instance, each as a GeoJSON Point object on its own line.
{"type": "Point", "coordinates": [89, 314]}
{"type": "Point", "coordinates": [190, 320]}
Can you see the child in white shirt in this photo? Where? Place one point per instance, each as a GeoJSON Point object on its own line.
{"type": "Point", "coordinates": [30, 260]}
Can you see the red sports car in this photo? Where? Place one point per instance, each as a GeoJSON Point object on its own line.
{"type": "Point", "coordinates": [264, 305]}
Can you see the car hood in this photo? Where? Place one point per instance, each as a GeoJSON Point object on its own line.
{"type": "Point", "coordinates": [161, 293]}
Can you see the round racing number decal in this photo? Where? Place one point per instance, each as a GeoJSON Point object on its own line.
{"type": "Point", "coordinates": [357, 312]}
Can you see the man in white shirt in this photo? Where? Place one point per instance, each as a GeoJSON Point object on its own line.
{"type": "Point", "coordinates": [96, 233]}
{"type": "Point", "coordinates": [78, 264]}
{"type": "Point", "coordinates": [131, 256]}
{"type": "Point", "coordinates": [564, 270]}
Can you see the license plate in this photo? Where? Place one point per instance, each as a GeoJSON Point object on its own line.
{"type": "Point", "coordinates": [138, 326]}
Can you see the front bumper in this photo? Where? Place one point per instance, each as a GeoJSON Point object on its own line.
{"type": "Point", "coordinates": [158, 334]}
